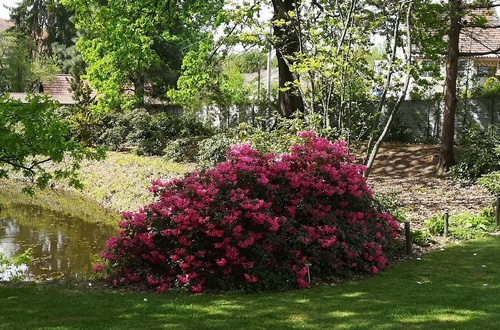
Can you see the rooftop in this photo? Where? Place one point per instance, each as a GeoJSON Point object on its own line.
{"type": "Point", "coordinates": [5, 25]}
{"type": "Point", "coordinates": [480, 42]}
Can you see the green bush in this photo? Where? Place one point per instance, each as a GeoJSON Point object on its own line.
{"type": "Point", "coordinates": [420, 237]}
{"type": "Point", "coordinates": [278, 140]}
{"type": "Point", "coordinates": [390, 203]}
{"type": "Point", "coordinates": [482, 156]}
{"type": "Point", "coordinates": [463, 226]}
{"type": "Point", "coordinates": [491, 182]}
{"type": "Point", "coordinates": [184, 150]}
{"type": "Point", "coordinates": [135, 129]}
{"type": "Point", "coordinates": [435, 225]}
{"type": "Point", "coordinates": [152, 135]}
{"type": "Point", "coordinates": [256, 222]}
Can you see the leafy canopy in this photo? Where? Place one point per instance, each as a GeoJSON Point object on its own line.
{"type": "Point", "coordinates": [30, 135]}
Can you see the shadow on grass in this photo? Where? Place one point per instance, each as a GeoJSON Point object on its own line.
{"type": "Point", "coordinates": [457, 288]}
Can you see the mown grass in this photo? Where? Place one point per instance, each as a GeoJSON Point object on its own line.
{"type": "Point", "coordinates": [454, 288]}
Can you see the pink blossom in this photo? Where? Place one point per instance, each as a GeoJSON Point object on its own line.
{"type": "Point", "coordinates": [134, 277]}
{"type": "Point", "coordinates": [221, 262]}
{"type": "Point", "coordinates": [196, 288]}
{"type": "Point", "coordinates": [111, 243]}
{"type": "Point", "coordinates": [250, 278]}
{"type": "Point", "coordinates": [98, 268]}
{"type": "Point", "coordinates": [162, 288]}
{"type": "Point", "coordinates": [151, 281]}
{"type": "Point", "coordinates": [247, 265]}
{"type": "Point", "coordinates": [303, 284]}
{"type": "Point", "coordinates": [183, 279]}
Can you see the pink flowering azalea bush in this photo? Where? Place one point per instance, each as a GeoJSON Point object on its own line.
{"type": "Point", "coordinates": [253, 223]}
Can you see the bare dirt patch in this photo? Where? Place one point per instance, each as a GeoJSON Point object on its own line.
{"type": "Point", "coordinates": [410, 172]}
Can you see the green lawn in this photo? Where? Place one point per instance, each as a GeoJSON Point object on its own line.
{"type": "Point", "coordinates": [454, 288]}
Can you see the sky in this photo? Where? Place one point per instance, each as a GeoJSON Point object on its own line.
{"type": "Point", "coordinates": [4, 12]}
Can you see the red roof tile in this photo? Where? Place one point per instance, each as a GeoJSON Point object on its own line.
{"type": "Point", "coordinates": [5, 25]}
{"type": "Point", "coordinates": [478, 41]}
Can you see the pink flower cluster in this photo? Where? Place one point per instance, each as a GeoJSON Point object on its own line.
{"type": "Point", "coordinates": [253, 221]}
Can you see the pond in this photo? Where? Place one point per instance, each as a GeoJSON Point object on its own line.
{"type": "Point", "coordinates": [63, 246]}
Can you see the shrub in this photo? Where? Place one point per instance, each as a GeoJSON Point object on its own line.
{"type": "Point", "coordinates": [481, 157]}
{"type": "Point", "coordinates": [184, 150]}
{"type": "Point", "coordinates": [389, 203]}
{"type": "Point", "coordinates": [252, 222]}
{"type": "Point", "coordinates": [278, 140]}
{"type": "Point", "coordinates": [491, 182]}
{"type": "Point", "coordinates": [151, 136]}
{"type": "Point", "coordinates": [463, 226]}
{"type": "Point", "coordinates": [420, 237]}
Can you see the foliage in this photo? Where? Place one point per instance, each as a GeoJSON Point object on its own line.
{"type": "Point", "coordinates": [277, 140]}
{"type": "Point", "coordinates": [481, 157]}
{"type": "Point", "coordinates": [420, 237]}
{"type": "Point", "coordinates": [46, 21]}
{"type": "Point", "coordinates": [134, 129]}
{"type": "Point", "coordinates": [463, 226]}
{"type": "Point", "coordinates": [390, 203]}
{"type": "Point", "coordinates": [250, 61]}
{"type": "Point", "coordinates": [490, 88]}
{"type": "Point", "coordinates": [11, 269]}
{"type": "Point", "coordinates": [333, 65]}
{"type": "Point", "coordinates": [211, 87]}
{"type": "Point", "coordinates": [184, 150]}
{"type": "Point", "coordinates": [252, 222]}
{"type": "Point", "coordinates": [400, 132]}
{"type": "Point", "coordinates": [20, 70]}
{"type": "Point", "coordinates": [31, 135]}
{"type": "Point", "coordinates": [491, 182]}
{"type": "Point", "coordinates": [137, 46]}
{"type": "Point", "coordinates": [152, 135]}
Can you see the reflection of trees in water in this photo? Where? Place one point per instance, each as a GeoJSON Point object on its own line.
{"type": "Point", "coordinates": [62, 245]}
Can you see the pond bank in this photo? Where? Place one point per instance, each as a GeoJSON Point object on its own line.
{"type": "Point", "coordinates": [115, 184]}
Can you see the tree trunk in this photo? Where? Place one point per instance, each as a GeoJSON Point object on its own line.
{"type": "Point", "coordinates": [383, 97]}
{"type": "Point", "coordinates": [139, 89]}
{"type": "Point", "coordinates": [401, 97]}
{"type": "Point", "coordinates": [446, 157]}
{"type": "Point", "coordinates": [288, 44]}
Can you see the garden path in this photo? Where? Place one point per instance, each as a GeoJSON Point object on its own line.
{"type": "Point", "coordinates": [410, 172]}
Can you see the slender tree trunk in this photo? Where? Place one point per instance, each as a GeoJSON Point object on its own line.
{"type": "Point", "coordinates": [383, 97]}
{"type": "Point", "coordinates": [446, 157]}
{"type": "Point", "coordinates": [401, 97]}
{"type": "Point", "coordinates": [289, 98]}
{"type": "Point", "coordinates": [139, 89]}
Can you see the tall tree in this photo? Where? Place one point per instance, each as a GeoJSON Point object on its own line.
{"type": "Point", "coordinates": [126, 45]}
{"type": "Point", "coordinates": [20, 71]}
{"type": "Point", "coordinates": [46, 22]}
{"type": "Point", "coordinates": [446, 157]}
{"type": "Point", "coordinates": [288, 45]}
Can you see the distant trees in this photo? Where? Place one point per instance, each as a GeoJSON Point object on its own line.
{"type": "Point", "coordinates": [20, 70]}
{"type": "Point", "coordinates": [134, 49]}
{"type": "Point", "coordinates": [183, 52]}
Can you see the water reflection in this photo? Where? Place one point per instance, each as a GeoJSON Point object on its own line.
{"type": "Point", "coordinates": [62, 245]}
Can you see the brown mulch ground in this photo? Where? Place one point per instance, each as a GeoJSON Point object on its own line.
{"type": "Point", "coordinates": [410, 172]}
